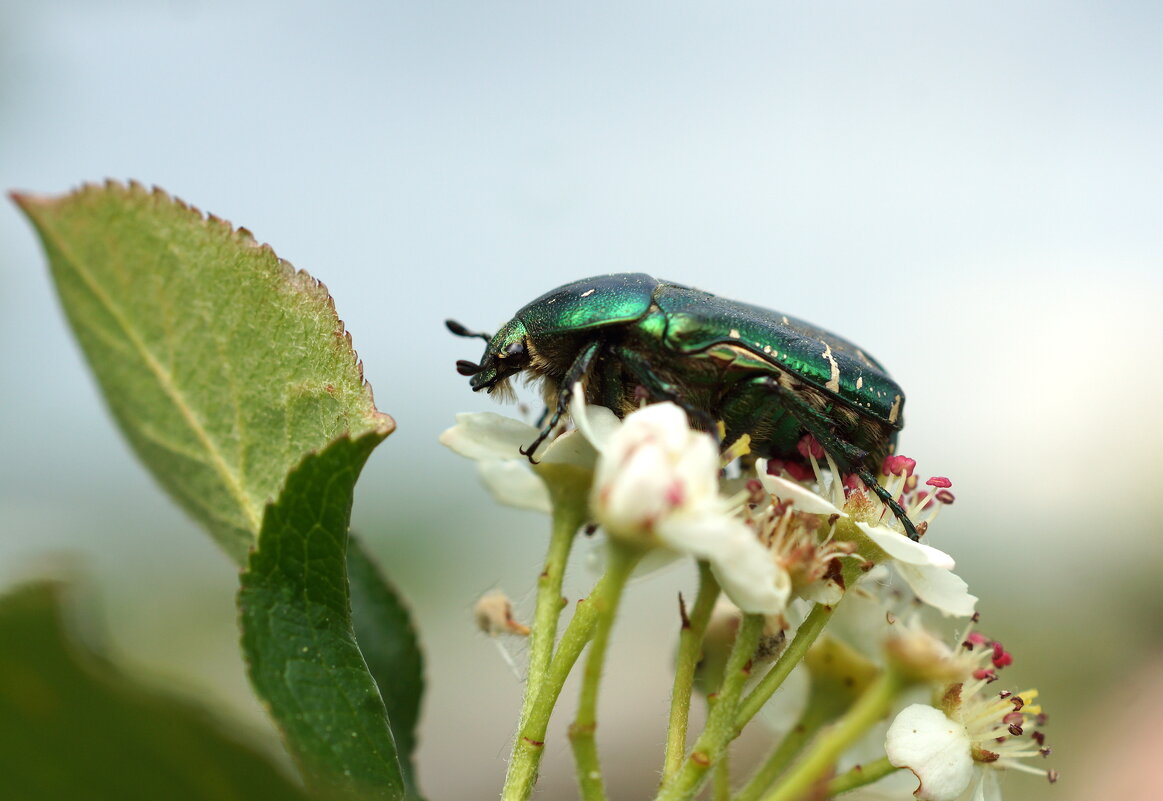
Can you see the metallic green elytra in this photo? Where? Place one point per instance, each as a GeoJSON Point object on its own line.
{"type": "Point", "coordinates": [628, 336]}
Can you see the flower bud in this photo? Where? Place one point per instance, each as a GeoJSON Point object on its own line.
{"type": "Point", "coordinates": [653, 469]}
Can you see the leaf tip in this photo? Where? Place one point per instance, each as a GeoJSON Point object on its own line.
{"type": "Point", "coordinates": [385, 424]}
{"type": "Point", "coordinates": [25, 201]}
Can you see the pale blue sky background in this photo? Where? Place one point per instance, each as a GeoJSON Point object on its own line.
{"type": "Point", "coordinates": [970, 189]}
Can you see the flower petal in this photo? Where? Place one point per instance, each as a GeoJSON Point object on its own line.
{"type": "Point", "coordinates": [597, 423]}
{"type": "Point", "coordinates": [939, 588]}
{"type": "Point", "coordinates": [783, 710]}
{"type": "Point", "coordinates": [743, 567]}
{"type": "Point", "coordinates": [488, 435]}
{"type": "Point", "coordinates": [824, 591]}
{"type": "Point", "coordinates": [988, 788]}
{"type": "Point", "coordinates": [511, 482]}
{"type": "Point", "coordinates": [570, 448]}
{"type": "Point", "coordinates": [902, 549]}
{"type": "Point", "coordinates": [800, 496]}
{"type": "Point", "coordinates": [933, 747]}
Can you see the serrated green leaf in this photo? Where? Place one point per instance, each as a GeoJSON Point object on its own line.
{"type": "Point", "coordinates": [72, 726]}
{"type": "Point", "coordinates": [221, 363]}
{"type": "Point", "coordinates": [384, 631]}
{"type": "Point", "coordinates": [297, 632]}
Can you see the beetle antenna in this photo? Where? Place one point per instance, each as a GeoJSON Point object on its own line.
{"type": "Point", "coordinates": [461, 331]}
{"type": "Point", "coordinates": [465, 367]}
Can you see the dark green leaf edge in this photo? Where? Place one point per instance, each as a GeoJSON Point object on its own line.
{"type": "Point", "coordinates": [297, 635]}
{"type": "Point", "coordinates": [390, 645]}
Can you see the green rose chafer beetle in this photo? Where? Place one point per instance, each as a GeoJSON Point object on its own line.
{"type": "Point", "coordinates": [628, 336]}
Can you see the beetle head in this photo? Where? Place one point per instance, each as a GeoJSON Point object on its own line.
{"type": "Point", "coordinates": [506, 354]}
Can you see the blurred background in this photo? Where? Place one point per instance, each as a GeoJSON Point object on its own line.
{"type": "Point", "coordinates": [971, 190]}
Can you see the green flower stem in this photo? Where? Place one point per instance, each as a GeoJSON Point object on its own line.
{"type": "Point", "coordinates": [712, 743]}
{"type": "Point", "coordinates": [530, 742]}
{"type": "Point", "coordinates": [721, 779]}
{"type": "Point", "coordinates": [806, 634]}
{"type": "Point", "coordinates": [568, 488]}
{"type": "Point", "coordinates": [582, 732]}
{"type": "Point", "coordinates": [860, 776]}
{"type": "Point", "coordinates": [567, 519]}
{"type": "Point", "coordinates": [776, 763]}
{"type": "Point", "coordinates": [873, 705]}
{"type": "Point", "coordinates": [690, 641]}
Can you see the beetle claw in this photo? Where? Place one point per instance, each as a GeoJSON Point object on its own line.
{"type": "Point", "coordinates": [532, 449]}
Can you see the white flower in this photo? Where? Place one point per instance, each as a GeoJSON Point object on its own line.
{"type": "Point", "coordinates": [657, 483]}
{"type": "Point", "coordinates": [935, 748]}
{"type": "Point", "coordinates": [494, 442]}
{"type": "Point", "coordinates": [976, 732]}
{"type": "Point", "coordinates": [796, 525]}
{"type": "Point", "coordinates": [654, 467]}
{"type": "Point", "coordinates": [927, 571]}
{"type": "Point", "coordinates": [800, 496]}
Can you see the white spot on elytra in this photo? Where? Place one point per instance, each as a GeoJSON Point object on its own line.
{"type": "Point", "coordinates": [588, 292]}
{"type": "Point", "coordinates": [859, 381]}
{"type": "Point", "coordinates": [833, 384]}
{"type": "Point", "coordinates": [734, 333]}
{"type": "Point", "coordinates": [895, 411]}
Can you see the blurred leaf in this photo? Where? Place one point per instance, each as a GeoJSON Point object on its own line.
{"type": "Point", "coordinates": [297, 636]}
{"type": "Point", "coordinates": [74, 727]}
{"type": "Point", "coordinates": [383, 629]}
{"type": "Point", "coordinates": [222, 364]}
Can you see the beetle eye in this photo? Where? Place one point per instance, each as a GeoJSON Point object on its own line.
{"type": "Point", "coordinates": [515, 350]}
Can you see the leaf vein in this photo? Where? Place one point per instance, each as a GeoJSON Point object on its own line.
{"type": "Point", "coordinates": [169, 387]}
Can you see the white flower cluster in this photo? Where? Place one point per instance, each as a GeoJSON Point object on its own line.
{"type": "Point", "coordinates": [655, 483]}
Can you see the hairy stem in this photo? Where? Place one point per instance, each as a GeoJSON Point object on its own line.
{"type": "Point", "coordinates": [531, 733]}
{"type": "Point", "coordinates": [806, 634]}
{"type": "Point", "coordinates": [690, 641]}
{"type": "Point", "coordinates": [711, 745]}
{"type": "Point", "coordinates": [569, 514]}
{"type": "Point", "coordinates": [582, 731]}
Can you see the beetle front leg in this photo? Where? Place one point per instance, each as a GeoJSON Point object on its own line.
{"type": "Point", "coordinates": [577, 370]}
